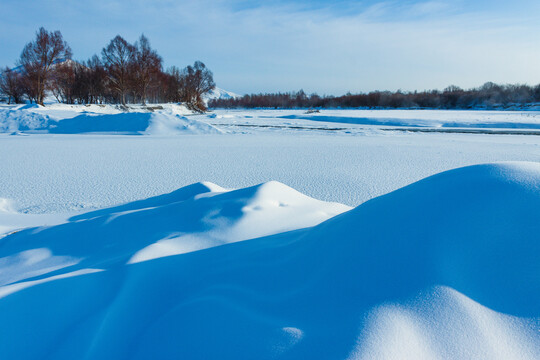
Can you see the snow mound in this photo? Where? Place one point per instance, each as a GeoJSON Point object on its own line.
{"type": "Point", "coordinates": [182, 194]}
{"type": "Point", "coordinates": [195, 217]}
{"type": "Point", "coordinates": [443, 268]}
{"type": "Point", "coordinates": [165, 121]}
{"type": "Point", "coordinates": [473, 229]}
{"type": "Point", "coordinates": [150, 123]}
{"type": "Point", "coordinates": [12, 121]}
{"type": "Point", "coordinates": [162, 123]}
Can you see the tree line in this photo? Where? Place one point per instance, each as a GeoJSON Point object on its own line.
{"type": "Point", "coordinates": [124, 73]}
{"type": "Point", "coordinates": [487, 96]}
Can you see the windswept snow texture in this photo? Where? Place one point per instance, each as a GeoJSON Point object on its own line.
{"type": "Point", "coordinates": [445, 268]}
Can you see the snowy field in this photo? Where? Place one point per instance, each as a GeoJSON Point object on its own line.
{"type": "Point", "coordinates": [46, 173]}
{"type": "Point", "coordinates": [142, 209]}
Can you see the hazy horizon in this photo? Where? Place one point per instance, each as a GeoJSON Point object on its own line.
{"type": "Point", "coordinates": [318, 46]}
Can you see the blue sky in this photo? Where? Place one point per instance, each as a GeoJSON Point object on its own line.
{"type": "Point", "coordinates": [329, 47]}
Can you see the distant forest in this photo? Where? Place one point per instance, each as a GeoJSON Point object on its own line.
{"type": "Point", "coordinates": [487, 96]}
{"type": "Point", "coordinates": [124, 73]}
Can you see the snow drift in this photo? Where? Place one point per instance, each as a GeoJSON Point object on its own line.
{"type": "Point", "coordinates": [158, 123]}
{"type": "Point", "coordinates": [21, 120]}
{"type": "Point", "coordinates": [163, 122]}
{"type": "Point", "coordinates": [443, 268]}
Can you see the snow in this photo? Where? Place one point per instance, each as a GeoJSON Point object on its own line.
{"type": "Point", "coordinates": [443, 268]}
{"type": "Point", "coordinates": [111, 247]}
{"type": "Point", "coordinates": [173, 118]}
{"type": "Point", "coordinates": [67, 120]}
{"type": "Point", "coordinates": [451, 319]}
{"type": "Point", "coordinates": [168, 124]}
{"type": "Point", "coordinates": [63, 173]}
{"type": "Point", "coordinates": [21, 120]}
{"type": "Point", "coordinates": [355, 119]}
{"type": "Point", "coordinates": [429, 118]}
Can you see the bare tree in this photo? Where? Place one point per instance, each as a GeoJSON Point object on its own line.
{"type": "Point", "coordinates": [38, 58]}
{"type": "Point", "coordinates": [174, 84]}
{"type": "Point", "coordinates": [118, 59]}
{"type": "Point", "coordinates": [159, 89]}
{"type": "Point", "coordinates": [196, 81]}
{"type": "Point", "coordinates": [63, 82]}
{"type": "Point", "coordinates": [11, 85]}
{"type": "Point", "coordinates": [96, 80]}
{"type": "Point", "coordinates": [89, 86]}
{"type": "Point", "coordinates": [147, 66]}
